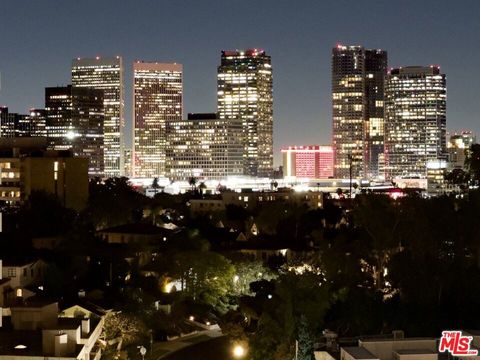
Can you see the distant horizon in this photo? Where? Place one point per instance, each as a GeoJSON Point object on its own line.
{"type": "Point", "coordinates": [39, 54]}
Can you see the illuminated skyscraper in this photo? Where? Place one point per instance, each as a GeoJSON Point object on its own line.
{"type": "Point", "coordinates": [245, 96]}
{"type": "Point", "coordinates": [358, 112]}
{"type": "Point", "coordinates": [157, 98]}
{"type": "Point", "coordinates": [74, 121]}
{"type": "Point", "coordinates": [310, 162]}
{"type": "Point", "coordinates": [415, 123]}
{"type": "Point", "coordinates": [106, 74]}
{"type": "Point", "coordinates": [204, 146]}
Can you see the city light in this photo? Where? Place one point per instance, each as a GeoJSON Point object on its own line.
{"type": "Point", "coordinates": [166, 224]}
{"type": "Point", "coordinates": [238, 351]}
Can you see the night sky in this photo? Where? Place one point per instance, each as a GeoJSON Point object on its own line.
{"type": "Point", "coordinates": [40, 37]}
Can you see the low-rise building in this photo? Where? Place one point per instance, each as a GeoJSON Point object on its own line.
{"type": "Point", "coordinates": [206, 206]}
{"type": "Point", "coordinates": [249, 199]}
{"type": "Point", "coordinates": [19, 280]}
{"type": "Point", "coordinates": [26, 166]}
{"type": "Point", "coordinates": [392, 349]}
{"type": "Point", "coordinates": [458, 146]}
{"type": "Point", "coordinates": [252, 199]}
{"type": "Point", "coordinates": [24, 273]}
{"type": "Point", "coordinates": [132, 233]}
{"type": "Point", "coordinates": [309, 162]}
{"type": "Point", "coordinates": [36, 331]}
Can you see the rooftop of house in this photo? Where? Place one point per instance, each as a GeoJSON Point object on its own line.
{"type": "Point", "coordinates": [390, 339]}
{"type": "Point", "coordinates": [65, 324]}
{"type": "Point", "coordinates": [137, 228]}
{"type": "Point", "coordinates": [32, 302]}
{"type": "Point", "coordinates": [415, 352]}
{"type": "Point", "coordinates": [358, 352]}
{"type": "Point", "coordinates": [17, 262]}
{"type": "Point", "coordinates": [87, 305]}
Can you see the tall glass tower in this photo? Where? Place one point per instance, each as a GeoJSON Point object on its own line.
{"type": "Point", "coordinates": [415, 124]}
{"type": "Point", "coordinates": [358, 112]}
{"type": "Point", "coordinates": [157, 98]}
{"type": "Point", "coordinates": [74, 121]}
{"type": "Point", "coordinates": [106, 74]}
{"type": "Point", "coordinates": [245, 96]}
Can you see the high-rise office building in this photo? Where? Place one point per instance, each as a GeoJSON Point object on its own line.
{"type": "Point", "coordinates": [157, 98]}
{"type": "Point", "coordinates": [245, 96]}
{"type": "Point", "coordinates": [310, 162]}
{"type": "Point", "coordinates": [106, 74]}
{"type": "Point", "coordinates": [358, 110]}
{"type": "Point", "coordinates": [74, 121]}
{"type": "Point", "coordinates": [204, 146]}
{"type": "Point", "coordinates": [415, 122]}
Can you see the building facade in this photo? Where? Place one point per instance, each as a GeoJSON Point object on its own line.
{"type": "Point", "coordinates": [157, 98]}
{"type": "Point", "coordinates": [26, 166]}
{"type": "Point", "coordinates": [245, 96]}
{"type": "Point", "coordinates": [415, 123]}
{"type": "Point", "coordinates": [358, 109]}
{"type": "Point", "coordinates": [458, 146]}
{"type": "Point", "coordinates": [33, 124]}
{"type": "Point", "coordinates": [310, 162]}
{"type": "Point", "coordinates": [204, 146]}
{"type": "Point", "coordinates": [106, 74]}
{"type": "Point", "coordinates": [7, 122]}
{"type": "Point", "coordinates": [19, 125]}
{"type": "Point", "coordinates": [74, 121]}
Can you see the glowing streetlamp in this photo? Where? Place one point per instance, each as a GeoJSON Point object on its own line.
{"type": "Point", "coordinates": [238, 351]}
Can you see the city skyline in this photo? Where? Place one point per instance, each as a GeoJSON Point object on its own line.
{"type": "Point", "coordinates": [301, 55]}
{"type": "Point", "coordinates": [241, 179]}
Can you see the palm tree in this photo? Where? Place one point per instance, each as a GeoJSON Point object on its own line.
{"type": "Point", "coordinates": [193, 182]}
{"type": "Point", "coordinates": [201, 187]}
{"type": "Point", "coordinates": [274, 185]}
{"type": "Point", "coordinates": [155, 186]}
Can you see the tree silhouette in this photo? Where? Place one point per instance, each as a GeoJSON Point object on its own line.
{"type": "Point", "coordinates": [192, 181]}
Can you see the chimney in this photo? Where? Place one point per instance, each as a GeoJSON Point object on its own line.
{"type": "Point", "coordinates": [85, 326]}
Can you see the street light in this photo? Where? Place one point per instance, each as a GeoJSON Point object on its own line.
{"type": "Point", "coordinates": [143, 351]}
{"type": "Point", "coordinates": [238, 351]}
